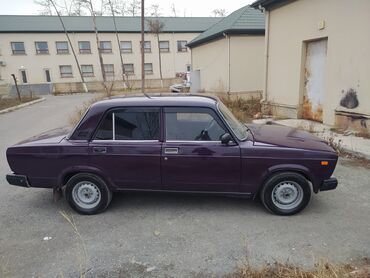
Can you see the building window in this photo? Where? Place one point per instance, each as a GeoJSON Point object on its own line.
{"type": "Point", "coordinates": [148, 68]}
{"type": "Point", "coordinates": [188, 67]}
{"type": "Point", "coordinates": [126, 47]}
{"type": "Point", "coordinates": [181, 46]}
{"type": "Point", "coordinates": [87, 70]}
{"type": "Point", "coordinates": [164, 46]}
{"type": "Point", "coordinates": [84, 47]}
{"type": "Point", "coordinates": [18, 48]}
{"type": "Point", "coordinates": [108, 69]}
{"type": "Point", "coordinates": [105, 47]}
{"type": "Point", "coordinates": [132, 123]}
{"type": "Point", "coordinates": [24, 76]}
{"type": "Point", "coordinates": [65, 71]}
{"type": "Point", "coordinates": [147, 47]}
{"type": "Point", "coordinates": [128, 68]}
{"type": "Point", "coordinates": [62, 47]}
{"type": "Point", "coordinates": [42, 48]}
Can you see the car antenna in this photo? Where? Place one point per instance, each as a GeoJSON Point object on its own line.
{"type": "Point", "coordinates": [145, 94]}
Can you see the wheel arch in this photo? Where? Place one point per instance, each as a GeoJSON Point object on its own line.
{"type": "Point", "coordinates": [68, 173]}
{"type": "Point", "coordinates": [284, 168]}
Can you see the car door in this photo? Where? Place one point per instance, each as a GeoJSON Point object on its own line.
{"type": "Point", "coordinates": [127, 149]}
{"type": "Point", "coordinates": [193, 158]}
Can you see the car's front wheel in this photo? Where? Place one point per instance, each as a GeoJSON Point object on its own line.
{"type": "Point", "coordinates": [286, 193]}
{"type": "Point", "coordinates": [87, 193]}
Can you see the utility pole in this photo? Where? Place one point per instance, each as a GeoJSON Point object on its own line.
{"type": "Point", "coordinates": [16, 87]}
{"type": "Point", "coordinates": [142, 47]}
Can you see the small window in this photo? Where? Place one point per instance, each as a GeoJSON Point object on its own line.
{"type": "Point", "coordinates": [148, 68]}
{"type": "Point", "coordinates": [62, 47]}
{"type": "Point", "coordinates": [84, 47]}
{"type": "Point", "coordinates": [130, 124]}
{"type": "Point", "coordinates": [42, 48]}
{"type": "Point", "coordinates": [181, 46]}
{"type": "Point", "coordinates": [129, 69]}
{"type": "Point", "coordinates": [164, 46]}
{"type": "Point", "coordinates": [188, 67]}
{"type": "Point", "coordinates": [105, 47]}
{"type": "Point", "coordinates": [193, 124]}
{"type": "Point", "coordinates": [65, 71]}
{"type": "Point", "coordinates": [87, 70]}
{"type": "Point", "coordinates": [18, 48]}
{"type": "Point", "coordinates": [147, 47]}
{"type": "Point", "coordinates": [126, 47]}
{"type": "Point", "coordinates": [108, 69]}
{"type": "Point", "coordinates": [24, 76]}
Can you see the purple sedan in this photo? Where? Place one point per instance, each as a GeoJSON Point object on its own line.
{"type": "Point", "coordinates": [187, 144]}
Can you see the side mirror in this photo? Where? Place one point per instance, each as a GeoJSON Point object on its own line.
{"type": "Point", "coordinates": [226, 138]}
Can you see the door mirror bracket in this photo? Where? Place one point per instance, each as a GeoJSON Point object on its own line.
{"type": "Point", "coordinates": [226, 139]}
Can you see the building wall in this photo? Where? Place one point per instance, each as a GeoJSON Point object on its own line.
{"type": "Point", "coordinates": [347, 63]}
{"type": "Point", "coordinates": [172, 62]}
{"type": "Point", "coordinates": [211, 60]}
{"type": "Point", "coordinates": [246, 64]}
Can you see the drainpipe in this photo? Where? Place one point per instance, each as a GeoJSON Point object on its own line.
{"type": "Point", "coordinates": [267, 41]}
{"type": "Point", "coordinates": [229, 63]}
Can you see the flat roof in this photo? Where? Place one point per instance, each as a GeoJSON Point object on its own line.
{"type": "Point", "coordinates": [84, 24]}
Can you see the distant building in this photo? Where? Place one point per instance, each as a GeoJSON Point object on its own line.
{"type": "Point", "coordinates": [229, 56]}
{"type": "Point", "coordinates": [36, 50]}
{"type": "Point", "coordinates": [318, 60]}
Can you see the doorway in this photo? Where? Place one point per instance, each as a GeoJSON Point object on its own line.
{"type": "Point", "coordinates": [314, 80]}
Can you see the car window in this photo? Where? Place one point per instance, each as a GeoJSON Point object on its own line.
{"type": "Point", "coordinates": [192, 124]}
{"type": "Point", "coordinates": [130, 124]}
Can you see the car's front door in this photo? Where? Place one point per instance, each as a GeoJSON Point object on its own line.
{"type": "Point", "coordinates": [193, 157]}
{"type": "Point", "coordinates": [127, 149]}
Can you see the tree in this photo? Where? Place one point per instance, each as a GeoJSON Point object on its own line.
{"type": "Point", "coordinates": [155, 10]}
{"type": "Point", "coordinates": [133, 8]}
{"type": "Point", "coordinates": [156, 27]}
{"type": "Point", "coordinates": [47, 8]}
{"type": "Point", "coordinates": [113, 11]}
{"type": "Point", "coordinates": [70, 43]}
{"type": "Point", "coordinates": [173, 10]}
{"type": "Point", "coordinates": [219, 12]}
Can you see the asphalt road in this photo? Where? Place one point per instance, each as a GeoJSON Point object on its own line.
{"type": "Point", "coordinates": [144, 235]}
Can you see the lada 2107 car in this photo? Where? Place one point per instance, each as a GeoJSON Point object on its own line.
{"type": "Point", "coordinates": [187, 144]}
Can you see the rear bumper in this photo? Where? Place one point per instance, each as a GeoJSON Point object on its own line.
{"type": "Point", "coordinates": [17, 180]}
{"type": "Point", "coordinates": [329, 184]}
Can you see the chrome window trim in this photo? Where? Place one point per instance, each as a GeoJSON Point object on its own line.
{"type": "Point", "coordinates": [189, 141]}
{"type": "Point", "coordinates": [125, 141]}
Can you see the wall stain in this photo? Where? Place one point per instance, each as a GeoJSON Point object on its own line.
{"type": "Point", "coordinates": [349, 100]}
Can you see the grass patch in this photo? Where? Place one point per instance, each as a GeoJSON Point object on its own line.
{"type": "Point", "coordinates": [243, 109]}
{"type": "Point", "coordinates": [11, 102]}
{"type": "Point", "coordinates": [322, 269]}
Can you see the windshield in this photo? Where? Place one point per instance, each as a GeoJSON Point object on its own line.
{"type": "Point", "coordinates": [237, 127]}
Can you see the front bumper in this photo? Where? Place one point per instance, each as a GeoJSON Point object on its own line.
{"type": "Point", "coordinates": [18, 180]}
{"type": "Point", "coordinates": [329, 184]}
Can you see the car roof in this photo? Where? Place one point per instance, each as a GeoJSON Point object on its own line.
{"type": "Point", "coordinates": [158, 100]}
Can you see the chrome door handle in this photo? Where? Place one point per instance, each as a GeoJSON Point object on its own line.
{"type": "Point", "coordinates": [171, 150]}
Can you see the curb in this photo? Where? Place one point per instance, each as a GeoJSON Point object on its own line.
{"type": "Point", "coordinates": [10, 109]}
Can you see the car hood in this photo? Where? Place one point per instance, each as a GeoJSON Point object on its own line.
{"type": "Point", "coordinates": [48, 137]}
{"type": "Point", "coordinates": [283, 136]}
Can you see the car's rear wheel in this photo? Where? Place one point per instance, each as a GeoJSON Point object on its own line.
{"type": "Point", "coordinates": [286, 193]}
{"type": "Point", "coordinates": [87, 193]}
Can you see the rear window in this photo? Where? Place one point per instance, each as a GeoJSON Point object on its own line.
{"type": "Point", "coordinates": [130, 124]}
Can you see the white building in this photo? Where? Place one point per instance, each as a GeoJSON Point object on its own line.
{"type": "Point", "coordinates": [36, 50]}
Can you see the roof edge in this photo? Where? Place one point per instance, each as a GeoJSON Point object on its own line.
{"type": "Point", "coordinates": [269, 4]}
{"type": "Point", "coordinates": [227, 32]}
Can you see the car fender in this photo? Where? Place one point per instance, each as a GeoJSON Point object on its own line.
{"type": "Point", "coordinates": [84, 169]}
{"type": "Point", "coordinates": [286, 168]}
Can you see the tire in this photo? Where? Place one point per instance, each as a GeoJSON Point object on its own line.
{"type": "Point", "coordinates": [286, 193]}
{"type": "Point", "coordinates": [87, 194]}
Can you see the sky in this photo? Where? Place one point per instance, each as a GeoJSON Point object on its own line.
{"type": "Point", "coordinates": [183, 7]}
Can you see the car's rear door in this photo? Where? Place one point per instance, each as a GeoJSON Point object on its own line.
{"type": "Point", "coordinates": [127, 147]}
{"type": "Point", "coordinates": [193, 158]}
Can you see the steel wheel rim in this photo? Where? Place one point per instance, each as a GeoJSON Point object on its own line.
{"type": "Point", "coordinates": [86, 194]}
{"type": "Point", "coordinates": [287, 195]}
